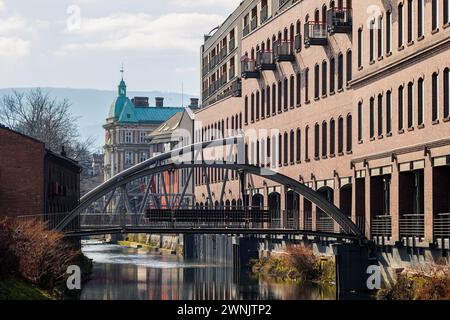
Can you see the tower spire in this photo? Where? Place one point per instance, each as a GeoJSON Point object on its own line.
{"type": "Point", "coordinates": [122, 70]}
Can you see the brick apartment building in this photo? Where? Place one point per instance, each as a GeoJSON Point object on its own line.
{"type": "Point", "coordinates": [34, 180]}
{"type": "Point", "coordinates": [359, 93]}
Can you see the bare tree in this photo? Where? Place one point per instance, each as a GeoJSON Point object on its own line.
{"type": "Point", "coordinates": [42, 117]}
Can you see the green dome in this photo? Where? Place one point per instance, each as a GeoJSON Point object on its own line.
{"type": "Point", "coordinates": [117, 106]}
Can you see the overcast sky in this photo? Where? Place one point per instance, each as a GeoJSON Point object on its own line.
{"type": "Point", "coordinates": [82, 43]}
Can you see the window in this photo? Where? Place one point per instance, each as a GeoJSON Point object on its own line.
{"type": "Point", "coordinates": [299, 142]}
{"type": "Point", "coordinates": [274, 99]}
{"type": "Point", "coordinates": [400, 108]}
{"type": "Point", "coordinates": [410, 105]}
{"type": "Point", "coordinates": [307, 143]}
{"type": "Point", "coordinates": [142, 136]}
{"type": "Point", "coordinates": [349, 133]}
{"type": "Point", "coordinates": [410, 20]}
{"type": "Point", "coordinates": [324, 139]}
{"type": "Point", "coordinates": [292, 92]}
{"type": "Point", "coordinates": [371, 39]}
{"type": "Point", "coordinates": [446, 11]}
{"type": "Point", "coordinates": [128, 158]}
{"type": "Point", "coordinates": [388, 112]}
{"type": "Point", "coordinates": [286, 87]}
{"type": "Point", "coordinates": [332, 137]}
{"type": "Point", "coordinates": [316, 141]}
{"type": "Point", "coordinates": [299, 89]}
{"type": "Point", "coordinates": [360, 121]}
{"type": "Point", "coordinates": [280, 150]}
{"type": "Point", "coordinates": [128, 137]}
{"type": "Point", "coordinates": [143, 156]}
{"type": "Point", "coordinates": [349, 66]}
{"type": "Point", "coordinates": [280, 96]}
{"type": "Point", "coordinates": [372, 118]}
{"type": "Point", "coordinates": [252, 108]}
{"type": "Point", "coordinates": [340, 71]}
{"type": "Point", "coordinates": [360, 40]}
{"type": "Point", "coordinates": [332, 74]}
{"type": "Point", "coordinates": [306, 85]}
{"type": "Point", "coordinates": [257, 106]}
{"type": "Point", "coordinates": [388, 32]}
{"type": "Point", "coordinates": [245, 111]}
{"type": "Point", "coordinates": [292, 147]}
{"type": "Point", "coordinates": [380, 115]}
{"type": "Point", "coordinates": [263, 103]}
{"type": "Point", "coordinates": [380, 36]}
{"type": "Point", "coordinates": [420, 102]}
{"type": "Point", "coordinates": [324, 78]}
{"type": "Point", "coordinates": [434, 97]}
{"type": "Point", "coordinates": [420, 10]}
{"type": "Point", "coordinates": [446, 93]}
{"type": "Point", "coordinates": [400, 25]}
{"type": "Point", "coordinates": [434, 14]}
{"type": "Point", "coordinates": [316, 81]}
{"type": "Point", "coordinates": [341, 135]}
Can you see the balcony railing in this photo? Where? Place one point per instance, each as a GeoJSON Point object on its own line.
{"type": "Point", "coordinates": [298, 42]}
{"type": "Point", "coordinates": [381, 226]}
{"type": "Point", "coordinates": [442, 226]}
{"type": "Point", "coordinates": [308, 223]}
{"type": "Point", "coordinates": [264, 60]}
{"type": "Point", "coordinates": [246, 30]}
{"type": "Point", "coordinates": [291, 219]}
{"type": "Point", "coordinates": [325, 224]}
{"type": "Point", "coordinates": [315, 34]}
{"type": "Point", "coordinates": [339, 20]}
{"type": "Point", "coordinates": [264, 15]}
{"type": "Point", "coordinates": [248, 68]}
{"type": "Point", "coordinates": [232, 44]}
{"type": "Point", "coordinates": [412, 225]}
{"type": "Point", "coordinates": [283, 51]}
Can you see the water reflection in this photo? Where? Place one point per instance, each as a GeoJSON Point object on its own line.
{"type": "Point", "coordinates": [128, 274]}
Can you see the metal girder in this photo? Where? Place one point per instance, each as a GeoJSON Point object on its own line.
{"type": "Point", "coordinates": [148, 167]}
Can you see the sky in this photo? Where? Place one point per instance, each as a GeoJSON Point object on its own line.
{"type": "Point", "coordinates": [83, 43]}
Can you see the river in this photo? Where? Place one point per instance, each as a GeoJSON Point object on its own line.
{"type": "Point", "coordinates": [122, 273]}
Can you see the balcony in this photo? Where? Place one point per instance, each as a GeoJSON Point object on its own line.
{"type": "Point", "coordinates": [264, 15]}
{"type": "Point", "coordinates": [264, 60]}
{"type": "Point", "coordinates": [231, 44]}
{"type": "Point", "coordinates": [222, 80]}
{"type": "Point", "coordinates": [441, 230]}
{"type": "Point", "coordinates": [223, 53]}
{"type": "Point", "coordinates": [315, 34]}
{"type": "Point", "coordinates": [340, 20]}
{"type": "Point", "coordinates": [283, 51]}
{"type": "Point", "coordinates": [231, 72]}
{"type": "Point", "coordinates": [325, 224]}
{"type": "Point", "coordinates": [248, 68]}
{"type": "Point", "coordinates": [246, 30]}
{"type": "Point", "coordinates": [412, 226]}
{"type": "Point", "coordinates": [254, 23]}
{"type": "Point", "coordinates": [298, 42]}
{"type": "Point", "coordinates": [381, 226]}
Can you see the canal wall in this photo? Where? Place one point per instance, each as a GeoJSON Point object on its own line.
{"type": "Point", "coordinates": [211, 249]}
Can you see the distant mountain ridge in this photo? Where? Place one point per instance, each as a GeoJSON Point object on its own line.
{"type": "Point", "coordinates": [91, 106]}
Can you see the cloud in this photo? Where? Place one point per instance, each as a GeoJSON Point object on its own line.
{"type": "Point", "coordinates": [122, 31]}
{"type": "Point", "coordinates": [14, 47]}
{"type": "Point", "coordinates": [13, 23]}
{"type": "Point", "coordinates": [227, 4]}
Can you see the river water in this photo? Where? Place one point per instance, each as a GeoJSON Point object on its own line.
{"type": "Point", "coordinates": [122, 273]}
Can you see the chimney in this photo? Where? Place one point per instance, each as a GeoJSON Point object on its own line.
{"type": "Point", "coordinates": [159, 101]}
{"type": "Point", "coordinates": [140, 101]}
{"type": "Point", "coordinates": [194, 103]}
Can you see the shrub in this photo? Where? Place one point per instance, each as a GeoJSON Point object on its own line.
{"type": "Point", "coordinates": [304, 261]}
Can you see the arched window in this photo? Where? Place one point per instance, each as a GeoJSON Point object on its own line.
{"type": "Point", "coordinates": [245, 111]}
{"type": "Point", "coordinates": [360, 46]}
{"type": "Point", "coordinates": [380, 36]}
{"type": "Point", "coordinates": [434, 97]}
{"type": "Point", "coordinates": [306, 85]}
{"type": "Point", "coordinates": [280, 150]}
{"type": "Point", "coordinates": [280, 96]}
{"type": "Point", "coordinates": [316, 81]}
{"type": "Point", "coordinates": [252, 108]}
{"type": "Point", "coordinates": [400, 25]}
{"type": "Point", "coordinates": [268, 146]}
{"type": "Point", "coordinates": [388, 32]}
{"type": "Point", "coordinates": [292, 147]}
{"type": "Point", "coordinates": [340, 71]}
{"type": "Point", "coordinates": [298, 147]}
{"type": "Point", "coordinates": [236, 121]}
{"type": "Point", "coordinates": [349, 133]}
{"type": "Point", "coordinates": [258, 162]}
{"type": "Point", "coordinates": [307, 143]}
{"type": "Point", "coordinates": [268, 110]}
{"type": "Point", "coordinates": [263, 103]}
{"type": "Point", "coordinates": [349, 66]}
{"type": "Point", "coordinates": [257, 105]}
{"type": "Point", "coordinates": [299, 89]}
{"type": "Point", "coordinates": [410, 20]}
{"type": "Point", "coordinates": [316, 141]}
{"type": "Point", "coordinates": [286, 97]}
{"type": "Point", "coordinates": [332, 74]}
{"type": "Point", "coordinates": [420, 13]}
{"type": "Point", "coordinates": [420, 102]}
{"type": "Point", "coordinates": [324, 139]}
{"type": "Point", "coordinates": [372, 40]}
{"type": "Point", "coordinates": [324, 78]}
{"type": "Point", "coordinates": [372, 117]}
{"type": "Point", "coordinates": [434, 14]}
{"type": "Point", "coordinates": [274, 99]}
{"type": "Point", "coordinates": [410, 105]}
{"type": "Point", "coordinates": [360, 121]}
{"type": "Point", "coordinates": [286, 149]}
{"type": "Point", "coordinates": [400, 108]}
{"type": "Point", "coordinates": [389, 112]}
{"type": "Point", "coordinates": [380, 115]}
{"type": "Point", "coordinates": [292, 92]}
{"type": "Point", "coordinates": [332, 137]}
{"type": "Point", "coordinates": [240, 120]}
{"type": "Point", "coordinates": [341, 135]}
{"type": "Point", "coordinates": [446, 93]}
{"type": "Point", "coordinates": [232, 123]}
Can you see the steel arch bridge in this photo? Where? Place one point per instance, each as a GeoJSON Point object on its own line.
{"type": "Point", "coordinates": [144, 213]}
